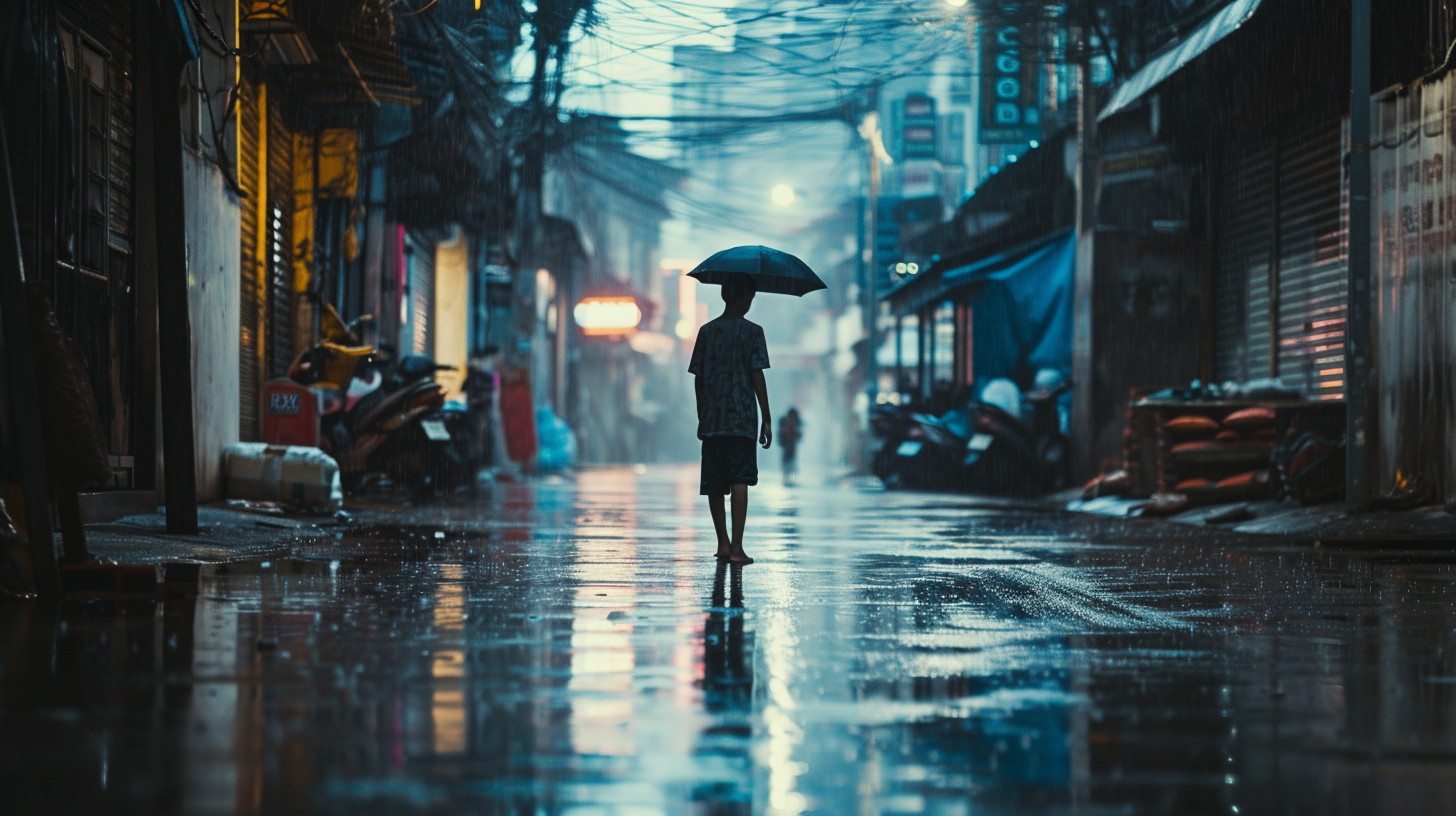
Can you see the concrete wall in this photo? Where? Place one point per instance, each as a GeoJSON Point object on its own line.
{"type": "Point", "coordinates": [213, 274]}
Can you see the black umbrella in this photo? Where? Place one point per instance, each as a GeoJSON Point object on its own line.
{"type": "Point", "coordinates": [777, 272]}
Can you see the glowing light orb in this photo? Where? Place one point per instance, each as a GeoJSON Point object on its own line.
{"type": "Point", "coordinates": [607, 315]}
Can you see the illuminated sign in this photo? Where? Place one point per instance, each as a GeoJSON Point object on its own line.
{"type": "Point", "coordinates": [607, 315]}
{"type": "Point", "coordinates": [1009, 78]}
{"type": "Point", "coordinates": [917, 128]}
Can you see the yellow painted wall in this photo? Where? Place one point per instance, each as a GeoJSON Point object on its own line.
{"type": "Point", "coordinates": [452, 311]}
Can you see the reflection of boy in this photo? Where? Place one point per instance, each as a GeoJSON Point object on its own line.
{"type": "Point", "coordinates": [729, 357]}
{"type": "Point", "coordinates": [789, 434]}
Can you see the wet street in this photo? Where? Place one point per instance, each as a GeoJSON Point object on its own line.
{"type": "Point", "coordinates": [569, 647]}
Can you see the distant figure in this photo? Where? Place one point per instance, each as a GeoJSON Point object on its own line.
{"type": "Point", "coordinates": [729, 357]}
{"type": "Point", "coordinates": [790, 432]}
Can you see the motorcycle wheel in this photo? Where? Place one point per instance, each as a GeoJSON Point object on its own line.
{"type": "Point", "coordinates": [1052, 454]}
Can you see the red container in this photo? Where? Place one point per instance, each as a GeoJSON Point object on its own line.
{"type": "Point", "coordinates": [518, 416]}
{"type": "Point", "coordinates": [290, 414]}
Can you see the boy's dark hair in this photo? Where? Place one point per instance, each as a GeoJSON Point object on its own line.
{"type": "Point", "coordinates": [738, 286]}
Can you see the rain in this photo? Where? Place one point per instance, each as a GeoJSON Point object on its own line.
{"type": "Point", "coordinates": [773, 407]}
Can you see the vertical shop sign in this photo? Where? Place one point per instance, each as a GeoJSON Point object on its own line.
{"type": "Point", "coordinates": [1009, 78]}
{"type": "Point", "coordinates": [918, 127]}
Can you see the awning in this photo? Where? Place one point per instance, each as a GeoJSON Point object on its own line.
{"type": "Point", "coordinates": [918, 292]}
{"type": "Point", "coordinates": [1021, 307]}
{"type": "Point", "coordinates": [1222, 24]}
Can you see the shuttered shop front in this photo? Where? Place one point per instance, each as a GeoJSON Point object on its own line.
{"type": "Point", "coordinates": [252, 178]}
{"type": "Point", "coordinates": [265, 174]}
{"type": "Point", "coordinates": [1279, 289]}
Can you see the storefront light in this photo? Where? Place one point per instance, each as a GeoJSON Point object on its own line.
{"type": "Point", "coordinates": [607, 315]}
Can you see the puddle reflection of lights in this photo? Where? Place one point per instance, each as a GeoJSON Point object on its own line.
{"type": "Point", "coordinates": [603, 659]}
{"type": "Point", "coordinates": [447, 666]}
{"type": "Point", "coordinates": [784, 732]}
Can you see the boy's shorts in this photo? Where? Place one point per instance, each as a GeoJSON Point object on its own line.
{"type": "Point", "coordinates": [727, 460]}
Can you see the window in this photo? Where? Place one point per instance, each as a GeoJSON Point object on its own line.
{"type": "Point", "coordinates": [907, 374]}
{"type": "Point", "coordinates": [943, 351]}
{"type": "Point", "coordinates": [90, 111]}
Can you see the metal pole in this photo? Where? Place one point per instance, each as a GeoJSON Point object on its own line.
{"type": "Point", "coordinates": [174, 326]}
{"type": "Point", "coordinates": [1358, 426]}
{"type": "Point", "coordinates": [1084, 429]}
{"type": "Point", "coordinates": [871, 293]}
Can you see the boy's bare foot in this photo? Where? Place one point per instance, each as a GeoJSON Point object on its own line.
{"type": "Point", "coordinates": [740, 557]}
{"type": "Point", "coordinates": [721, 555]}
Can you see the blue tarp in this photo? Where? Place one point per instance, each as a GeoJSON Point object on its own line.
{"type": "Point", "coordinates": [1021, 310]}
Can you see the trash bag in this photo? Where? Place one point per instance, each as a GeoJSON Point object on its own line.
{"type": "Point", "coordinates": [558, 443]}
{"type": "Point", "coordinates": [75, 447]}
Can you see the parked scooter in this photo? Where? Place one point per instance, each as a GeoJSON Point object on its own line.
{"type": "Point", "coordinates": [377, 418]}
{"type": "Point", "coordinates": [980, 448]}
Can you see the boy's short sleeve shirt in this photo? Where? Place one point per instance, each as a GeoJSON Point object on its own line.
{"type": "Point", "coordinates": [727, 352]}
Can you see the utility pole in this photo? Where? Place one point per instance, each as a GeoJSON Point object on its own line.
{"type": "Point", "coordinates": [869, 130]}
{"type": "Point", "coordinates": [1358, 431]}
{"type": "Point", "coordinates": [1084, 430]}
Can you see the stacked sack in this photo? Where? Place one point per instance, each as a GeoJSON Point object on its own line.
{"type": "Point", "coordinates": [1220, 460]}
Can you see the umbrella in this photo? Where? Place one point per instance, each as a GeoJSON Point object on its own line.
{"type": "Point", "coordinates": [776, 272]}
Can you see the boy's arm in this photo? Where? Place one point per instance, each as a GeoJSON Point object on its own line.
{"type": "Point", "coordinates": [765, 427]}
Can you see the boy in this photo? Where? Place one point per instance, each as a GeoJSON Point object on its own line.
{"type": "Point", "coordinates": [728, 362]}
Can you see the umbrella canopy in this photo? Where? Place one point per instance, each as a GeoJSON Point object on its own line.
{"type": "Point", "coordinates": [775, 272]}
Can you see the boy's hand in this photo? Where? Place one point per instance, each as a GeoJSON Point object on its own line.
{"type": "Point", "coordinates": [765, 433]}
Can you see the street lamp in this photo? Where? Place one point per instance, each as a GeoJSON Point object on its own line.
{"type": "Point", "coordinates": [606, 316]}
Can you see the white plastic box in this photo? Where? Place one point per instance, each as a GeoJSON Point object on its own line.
{"type": "Point", "coordinates": [303, 477]}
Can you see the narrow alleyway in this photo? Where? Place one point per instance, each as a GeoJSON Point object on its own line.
{"type": "Point", "coordinates": [568, 647]}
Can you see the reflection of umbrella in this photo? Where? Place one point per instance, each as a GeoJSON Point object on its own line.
{"type": "Point", "coordinates": [776, 272]}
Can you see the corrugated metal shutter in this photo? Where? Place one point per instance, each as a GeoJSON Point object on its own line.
{"type": "Point", "coordinates": [1311, 274]}
{"type": "Point", "coordinates": [249, 179]}
{"type": "Point", "coordinates": [1279, 286]}
{"type": "Point", "coordinates": [279, 323]}
{"type": "Point", "coordinates": [1241, 284]}
{"type": "Point", "coordinates": [422, 295]}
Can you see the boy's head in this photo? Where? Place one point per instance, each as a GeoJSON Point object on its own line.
{"type": "Point", "coordinates": [738, 290]}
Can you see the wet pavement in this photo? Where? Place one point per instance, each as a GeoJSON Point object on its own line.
{"type": "Point", "coordinates": [568, 647]}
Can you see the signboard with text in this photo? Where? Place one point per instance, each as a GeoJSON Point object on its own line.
{"type": "Point", "coordinates": [1009, 79]}
{"type": "Point", "coordinates": [917, 128]}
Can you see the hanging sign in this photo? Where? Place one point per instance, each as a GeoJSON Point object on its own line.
{"type": "Point", "coordinates": [1009, 79]}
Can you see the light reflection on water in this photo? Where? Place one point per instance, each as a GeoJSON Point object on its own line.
{"type": "Point", "coordinates": [579, 652]}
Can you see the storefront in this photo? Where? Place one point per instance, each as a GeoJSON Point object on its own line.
{"type": "Point", "coordinates": [1006, 316]}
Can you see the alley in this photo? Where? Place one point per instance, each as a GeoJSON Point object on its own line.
{"type": "Point", "coordinates": [567, 647]}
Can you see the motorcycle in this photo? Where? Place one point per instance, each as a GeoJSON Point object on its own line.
{"type": "Point", "coordinates": [979, 449]}
{"type": "Point", "coordinates": [378, 418]}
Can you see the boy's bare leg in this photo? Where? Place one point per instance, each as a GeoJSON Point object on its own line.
{"type": "Point", "coordinates": [740, 513]}
{"type": "Point", "coordinates": [720, 524]}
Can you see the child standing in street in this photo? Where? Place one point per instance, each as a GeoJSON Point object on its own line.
{"type": "Point", "coordinates": [728, 362]}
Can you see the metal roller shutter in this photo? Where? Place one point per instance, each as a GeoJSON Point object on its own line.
{"type": "Point", "coordinates": [1279, 286]}
{"type": "Point", "coordinates": [1311, 273]}
{"type": "Point", "coordinates": [250, 180]}
{"type": "Point", "coordinates": [1241, 285]}
{"type": "Point", "coordinates": [279, 322]}
{"type": "Point", "coordinates": [421, 255]}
